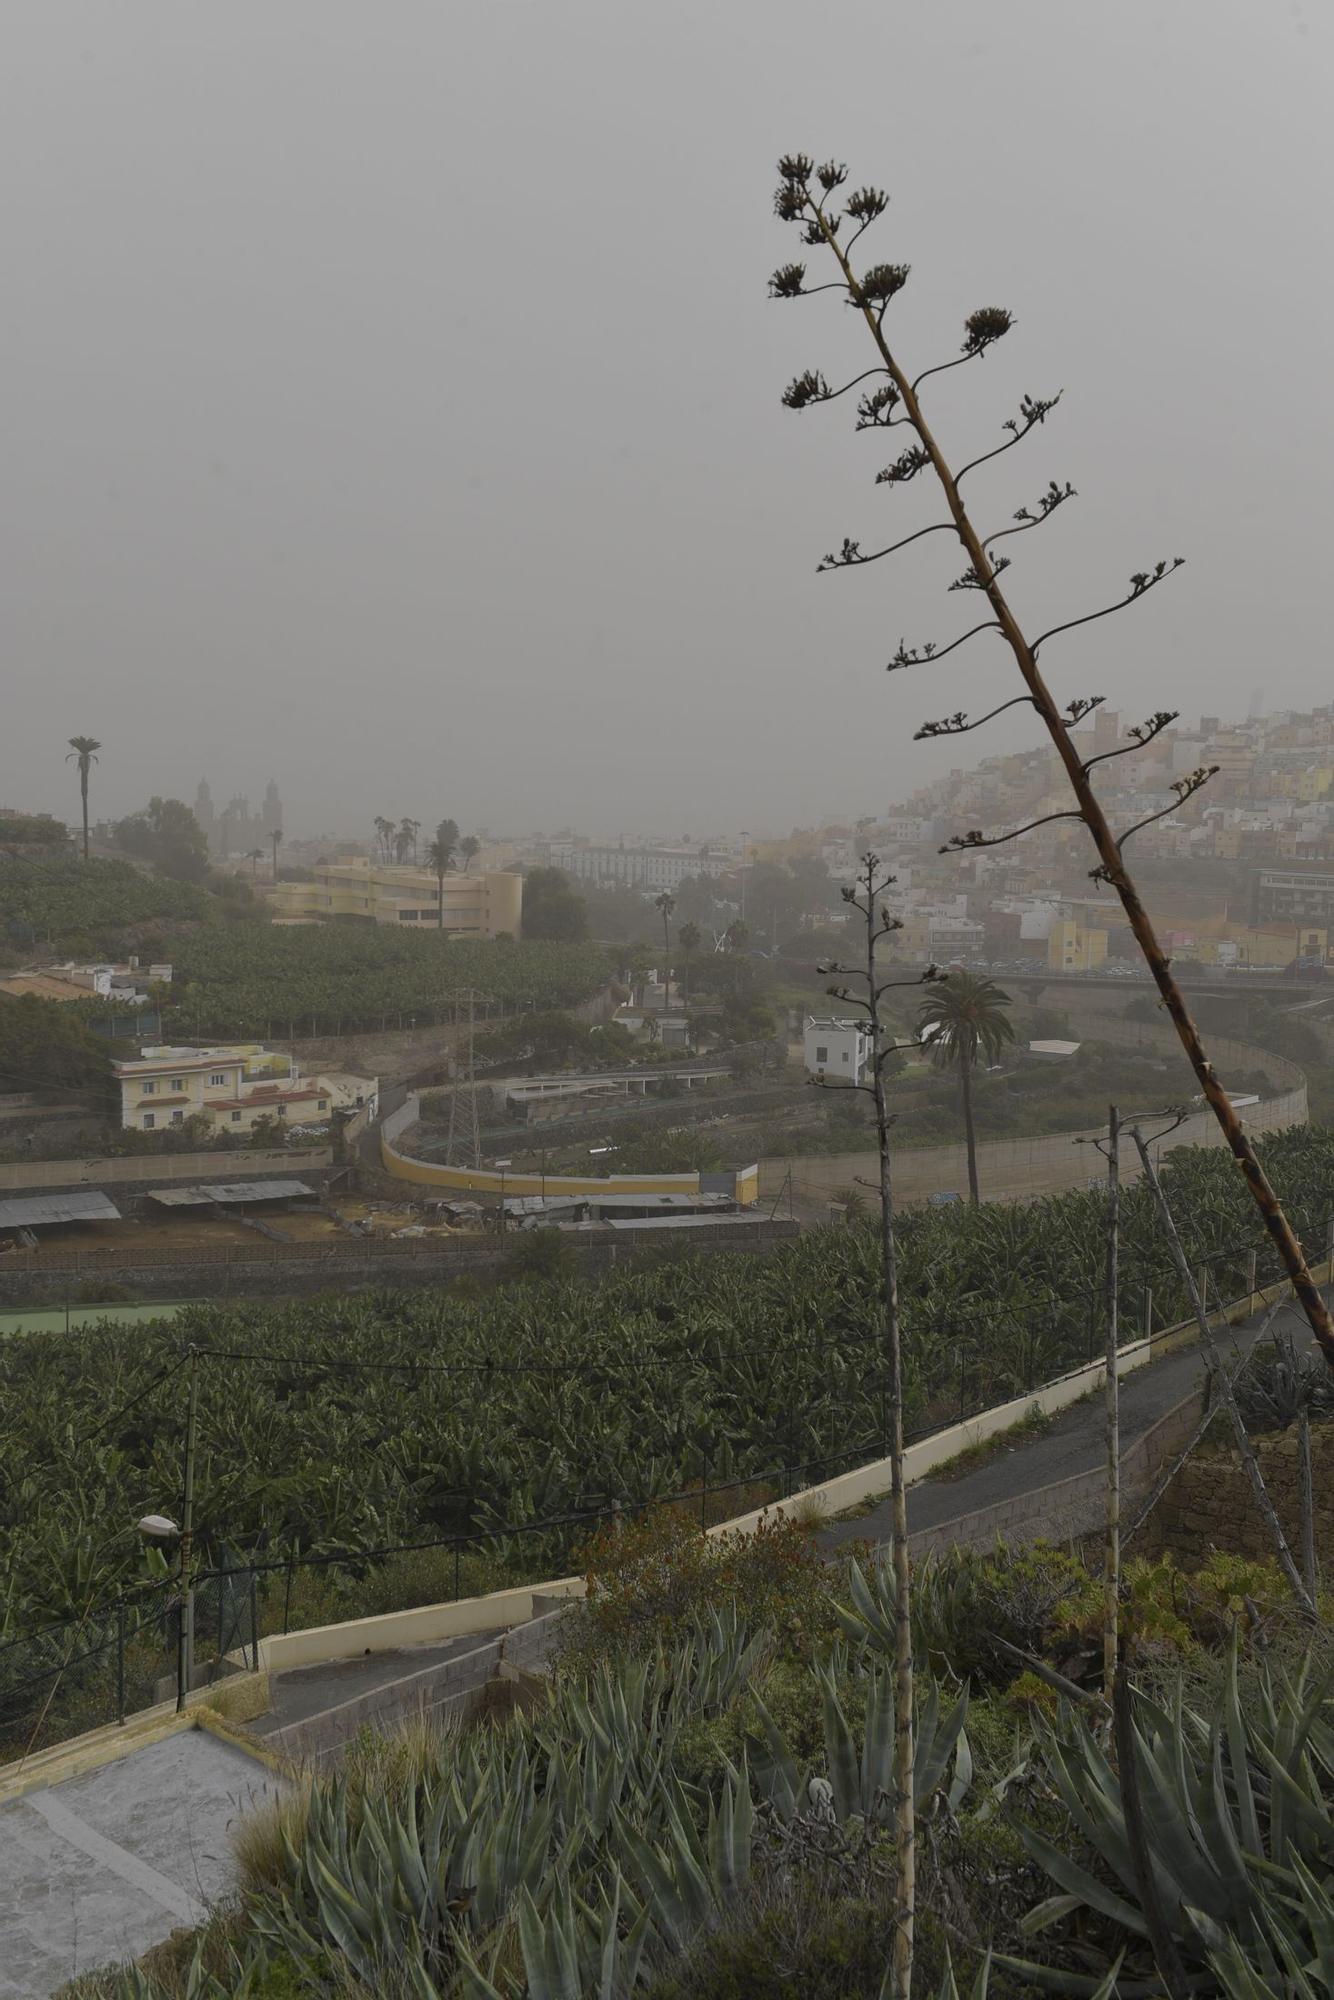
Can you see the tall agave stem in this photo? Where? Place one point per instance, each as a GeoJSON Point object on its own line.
{"type": "Point", "coordinates": [867, 900]}
{"type": "Point", "coordinates": [798, 202]}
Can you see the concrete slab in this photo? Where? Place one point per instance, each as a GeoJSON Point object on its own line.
{"type": "Point", "coordinates": [102, 1866]}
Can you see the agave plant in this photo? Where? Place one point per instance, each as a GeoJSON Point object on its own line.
{"type": "Point", "coordinates": [1237, 1822]}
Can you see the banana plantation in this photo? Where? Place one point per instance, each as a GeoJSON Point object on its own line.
{"type": "Point", "coordinates": [256, 980]}
{"type": "Point", "coordinates": [340, 1426]}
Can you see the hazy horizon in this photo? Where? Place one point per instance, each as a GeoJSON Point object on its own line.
{"type": "Point", "coordinates": [394, 398]}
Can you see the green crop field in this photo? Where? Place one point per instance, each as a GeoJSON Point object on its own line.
{"type": "Point", "coordinates": [538, 1400]}
{"type": "Point", "coordinates": [89, 901]}
{"type": "Point", "coordinates": [254, 980]}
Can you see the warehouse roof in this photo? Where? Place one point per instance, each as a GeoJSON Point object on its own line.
{"type": "Point", "coordinates": [40, 1211]}
{"type": "Point", "coordinates": [227, 1191]}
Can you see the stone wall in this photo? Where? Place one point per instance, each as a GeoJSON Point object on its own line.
{"type": "Point", "coordinates": [1209, 1505]}
{"type": "Point", "coordinates": [271, 1270]}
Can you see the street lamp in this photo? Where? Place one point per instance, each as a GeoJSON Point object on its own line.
{"type": "Point", "coordinates": [502, 1164]}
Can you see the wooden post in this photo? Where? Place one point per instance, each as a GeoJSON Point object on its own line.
{"type": "Point", "coordinates": [1308, 1506]}
{"type": "Point", "coordinates": [1219, 1382]}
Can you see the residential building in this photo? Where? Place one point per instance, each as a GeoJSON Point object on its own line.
{"type": "Point", "coordinates": [839, 1050]}
{"type": "Point", "coordinates": [234, 1086]}
{"type": "Point", "coordinates": [649, 868]}
{"type": "Point", "coordinates": [1292, 896]}
{"type": "Point", "coordinates": [1073, 947]}
{"type": "Point", "coordinates": [475, 904]}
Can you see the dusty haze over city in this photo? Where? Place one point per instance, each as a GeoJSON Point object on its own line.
{"type": "Point", "coordinates": [392, 393]}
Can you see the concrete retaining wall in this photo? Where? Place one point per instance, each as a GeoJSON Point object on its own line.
{"type": "Point", "coordinates": [1068, 1508]}
{"type": "Point", "coordinates": [274, 1269]}
{"type": "Point", "coordinates": [143, 1170]}
{"type": "Point", "coordinates": [1209, 1504]}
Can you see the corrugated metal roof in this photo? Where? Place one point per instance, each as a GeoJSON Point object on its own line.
{"type": "Point", "coordinates": [227, 1191]}
{"type": "Point", "coordinates": [39, 1211]}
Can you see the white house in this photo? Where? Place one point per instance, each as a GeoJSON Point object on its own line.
{"type": "Point", "coordinates": [838, 1050]}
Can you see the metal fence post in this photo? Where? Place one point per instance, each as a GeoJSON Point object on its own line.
{"type": "Point", "coordinates": [254, 1620]}
{"type": "Point", "coordinates": [287, 1593]}
{"type": "Point", "coordinates": [456, 1569]}
{"type": "Point", "coordinates": [1148, 1312]}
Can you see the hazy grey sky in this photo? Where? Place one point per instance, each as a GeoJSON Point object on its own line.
{"type": "Point", "coordinates": [391, 394]}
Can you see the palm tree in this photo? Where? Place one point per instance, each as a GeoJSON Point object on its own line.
{"type": "Point", "coordinates": [469, 847]}
{"type": "Point", "coordinates": [85, 748]}
{"type": "Point", "coordinates": [384, 836]}
{"type": "Point", "coordinates": [447, 836]}
{"type": "Point", "coordinates": [255, 856]}
{"type": "Point", "coordinates": [963, 1018]}
{"type": "Point", "coordinates": [437, 857]}
{"type": "Point", "coordinates": [688, 938]}
{"type": "Point", "coordinates": [666, 902]}
{"type": "Point", "coordinates": [405, 840]}
{"type": "Point", "coordinates": [276, 838]}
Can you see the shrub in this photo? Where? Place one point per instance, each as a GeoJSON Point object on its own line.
{"type": "Point", "coordinates": [648, 1580]}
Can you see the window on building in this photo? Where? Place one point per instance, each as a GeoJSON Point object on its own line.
{"type": "Point", "coordinates": [322, 1106]}
{"type": "Point", "coordinates": [178, 1118]}
{"type": "Point", "coordinates": [845, 1055]}
{"type": "Point", "coordinates": [149, 1121]}
{"type": "Point", "coordinates": [236, 1117]}
{"type": "Point", "coordinates": [148, 1087]}
{"type": "Point", "coordinates": [218, 1079]}
{"type": "Point", "coordinates": [178, 1083]}
{"type": "Point", "coordinates": [822, 1054]}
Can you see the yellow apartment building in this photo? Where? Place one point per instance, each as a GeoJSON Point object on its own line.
{"type": "Point", "coordinates": [1071, 947]}
{"type": "Point", "coordinates": [474, 905]}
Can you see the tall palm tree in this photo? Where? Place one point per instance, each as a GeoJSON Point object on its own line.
{"type": "Point", "coordinates": [384, 836]}
{"type": "Point", "coordinates": [666, 902]}
{"type": "Point", "coordinates": [276, 838]}
{"type": "Point", "coordinates": [961, 1019]}
{"type": "Point", "coordinates": [688, 938]}
{"type": "Point", "coordinates": [85, 748]}
{"type": "Point", "coordinates": [255, 856]}
{"type": "Point", "coordinates": [469, 847]}
{"type": "Point", "coordinates": [405, 840]}
{"type": "Point", "coordinates": [447, 836]}
{"type": "Point", "coordinates": [437, 857]}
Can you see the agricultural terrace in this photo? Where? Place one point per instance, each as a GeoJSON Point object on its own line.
{"type": "Point", "coordinates": [257, 980]}
{"type": "Point", "coordinates": [356, 1423]}
{"type": "Point", "coordinates": [85, 905]}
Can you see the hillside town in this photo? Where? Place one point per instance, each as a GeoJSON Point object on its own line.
{"type": "Point", "coordinates": [666, 1334]}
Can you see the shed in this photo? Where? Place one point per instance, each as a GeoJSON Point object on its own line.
{"type": "Point", "coordinates": [46, 1211]}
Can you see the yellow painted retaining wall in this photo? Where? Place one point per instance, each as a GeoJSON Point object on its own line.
{"type": "Point", "coordinates": [481, 1180]}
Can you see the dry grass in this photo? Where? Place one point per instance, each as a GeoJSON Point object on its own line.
{"type": "Point", "coordinates": [258, 1839]}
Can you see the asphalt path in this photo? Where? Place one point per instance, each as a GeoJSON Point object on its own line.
{"type": "Point", "coordinates": [1073, 1444]}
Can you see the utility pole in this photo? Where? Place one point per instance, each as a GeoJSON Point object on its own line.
{"type": "Point", "coordinates": [276, 838]}
{"type": "Point", "coordinates": [475, 1146]}
{"type": "Point", "coordinates": [185, 1622]}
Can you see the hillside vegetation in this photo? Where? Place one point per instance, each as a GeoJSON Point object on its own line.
{"type": "Point", "coordinates": [699, 1805]}
{"type": "Point", "coordinates": [87, 905]}
{"type": "Point", "coordinates": [323, 1438]}
{"type": "Point", "coordinates": [325, 979]}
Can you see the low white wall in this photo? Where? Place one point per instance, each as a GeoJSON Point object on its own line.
{"type": "Point", "coordinates": [431, 1623]}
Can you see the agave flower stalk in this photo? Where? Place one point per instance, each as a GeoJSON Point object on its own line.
{"type": "Point", "coordinates": [808, 196]}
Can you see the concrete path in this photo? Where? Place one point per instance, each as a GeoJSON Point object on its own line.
{"type": "Point", "coordinates": [306, 1691]}
{"type": "Point", "coordinates": [97, 1869]}
{"type": "Point", "coordinates": [1073, 1444]}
